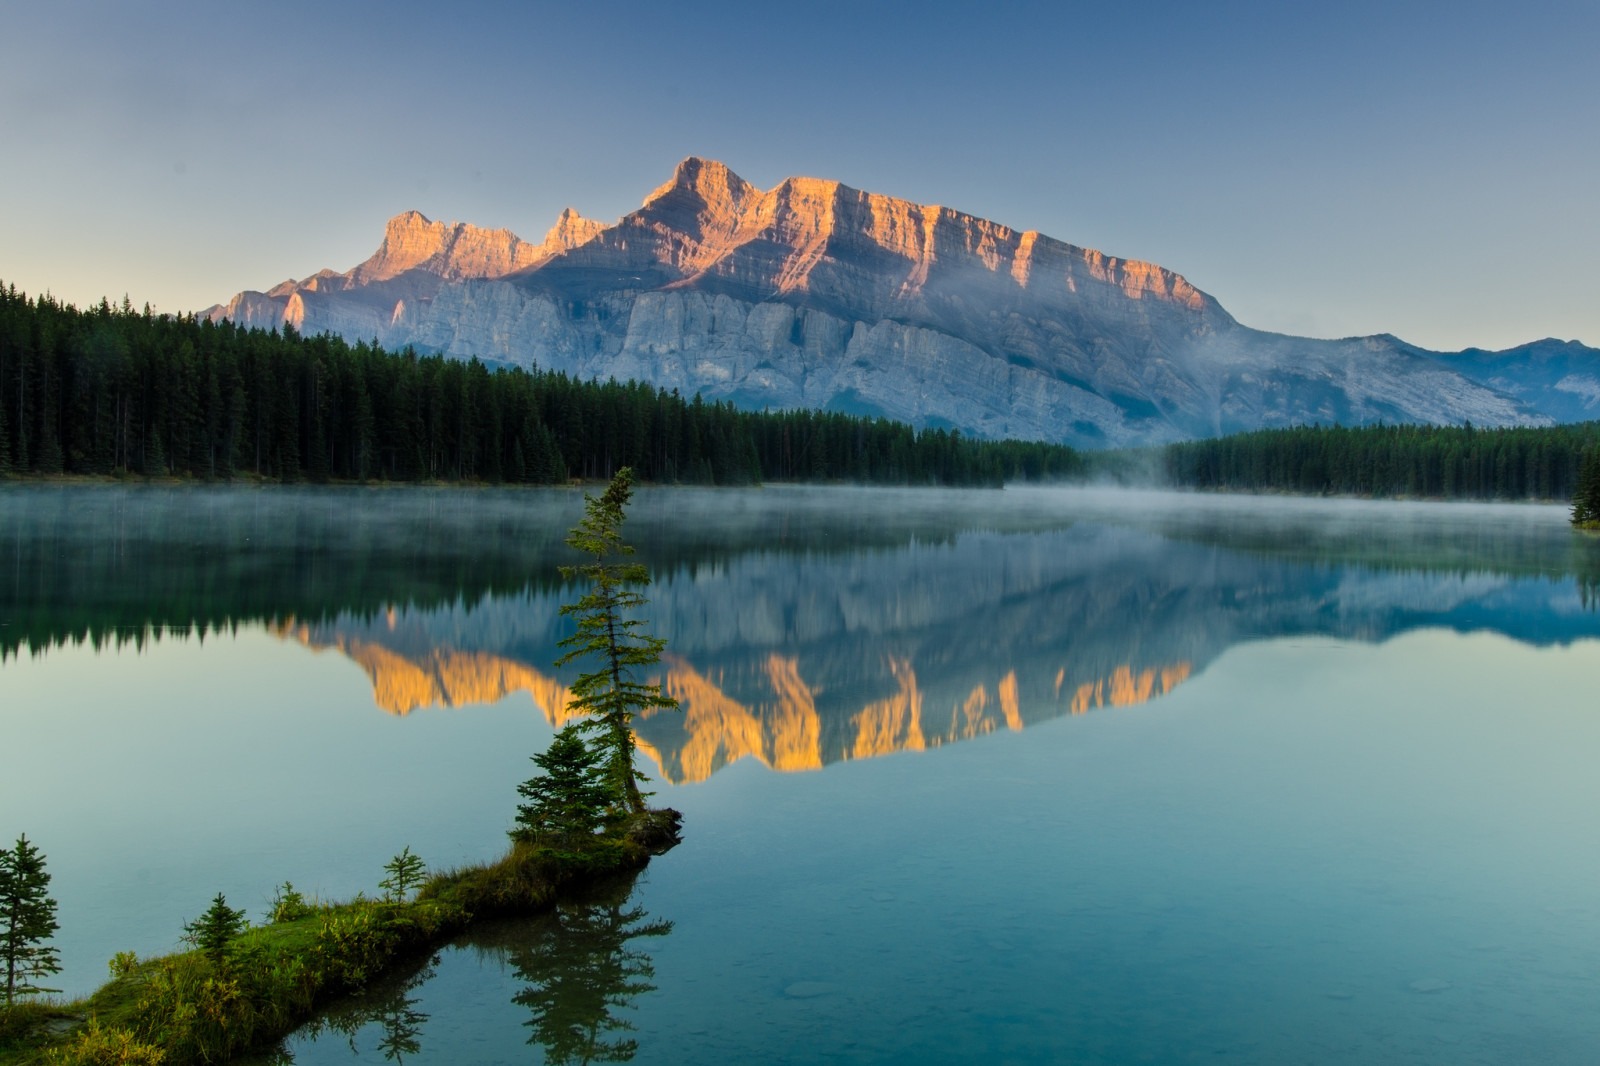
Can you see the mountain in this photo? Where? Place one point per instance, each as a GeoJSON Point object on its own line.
{"type": "Point", "coordinates": [814, 294]}
{"type": "Point", "coordinates": [1556, 378]}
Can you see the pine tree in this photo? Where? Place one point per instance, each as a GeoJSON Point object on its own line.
{"type": "Point", "coordinates": [519, 463]}
{"type": "Point", "coordinates": [1586, 500]}
{"type": "Point", "coordinates": [27, 920]}
{"type": "Point", "coordinates": [610, 696]}
{"type": "Point", "coordinates": [215, 929]}
{"type": "Point", "coordinates": [566, 803]}
{"type": "Point", "coordinates": [548, 467]}
{"type": "Point", "coordinates": [406, 872]}
{"type": "Point", "coordinates": [5, 444]}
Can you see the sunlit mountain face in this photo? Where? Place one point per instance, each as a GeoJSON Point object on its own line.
{"type": "Point", "coordinates": [803, 628]}
{"type": "Point", "coordinates": [812, 294]}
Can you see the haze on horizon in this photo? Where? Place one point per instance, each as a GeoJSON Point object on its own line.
{"type": "Point", "coordinates": [1419, 169]}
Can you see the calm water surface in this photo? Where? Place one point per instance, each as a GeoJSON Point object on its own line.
{"type": "Point", "coordinates": [1032, 776]}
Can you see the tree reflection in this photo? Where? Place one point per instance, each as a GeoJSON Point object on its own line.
{"type": "Point", "coordinates": [579, 970]}
{"type": "Point", "coordinates": [387, 1005]}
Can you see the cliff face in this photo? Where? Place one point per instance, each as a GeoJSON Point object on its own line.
{"type": "Point", "coordinates": [815, 294]}
{"type": "Point", "coordinates": [418, 257]}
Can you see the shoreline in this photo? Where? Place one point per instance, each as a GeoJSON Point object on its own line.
{"type": "Point", "coordinates": [265, 483]}
{"type": "Point", "coordinates": [184, 1008]}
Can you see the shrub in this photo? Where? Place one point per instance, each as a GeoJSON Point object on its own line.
{"type": "Point", "coordinates": [288, 905]}
{"type": "Point", "coordinates": [97, 1046]}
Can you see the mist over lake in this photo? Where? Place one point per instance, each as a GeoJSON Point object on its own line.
{"type": "Point", "coordinates": [1028, 774]}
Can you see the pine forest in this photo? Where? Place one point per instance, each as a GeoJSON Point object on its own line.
{"type": "Point", "coordinates": [113, 390]}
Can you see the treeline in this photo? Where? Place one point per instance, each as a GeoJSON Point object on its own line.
{"type": "Point", "coordinates": [1453, 462]}
{"type": "Point", "coordinates": [113, 390]}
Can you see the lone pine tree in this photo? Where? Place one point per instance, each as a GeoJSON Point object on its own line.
{"type": "Point", "coordinates": [215, 929]}
{"type": "Point", "coordinates": [27, 920]}
{"type": "Point", "coordinates": [610, 696]}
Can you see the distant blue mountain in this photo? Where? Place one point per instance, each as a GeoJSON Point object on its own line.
{"type": "Point", "coordinates": [1557, 378]}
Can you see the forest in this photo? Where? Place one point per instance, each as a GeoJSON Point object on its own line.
{"type": "Point", "coordinates": [114, 390]}
{"type": "Point", "coordinates": [1450, 462]}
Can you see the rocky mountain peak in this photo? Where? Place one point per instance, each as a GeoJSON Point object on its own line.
{"type": "Point", "coordinates": [713, 183]}
{"type": "Point", "coordinates": [693, 219]}
{"type": "Point", "coordinates": [571, 230]}
{"type": "Point", "coordinates": [867, 255]}
{"type": "Point", "coordinates": [411, 241]}
{"type": "Point", "coordinates": [816, 294]}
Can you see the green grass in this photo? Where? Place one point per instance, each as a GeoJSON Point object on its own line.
{"type": "Point", "coordinates": [184, 1008]}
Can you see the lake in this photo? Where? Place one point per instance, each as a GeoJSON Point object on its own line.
{"type": "Point", "coordinates": [1033, 775]}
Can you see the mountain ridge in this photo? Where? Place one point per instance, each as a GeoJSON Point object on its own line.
{"type": "Point", "coordinates": [816, 294]}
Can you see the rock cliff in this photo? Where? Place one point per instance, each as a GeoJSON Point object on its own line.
{"type": "Point", "coordinates": [814, 294]}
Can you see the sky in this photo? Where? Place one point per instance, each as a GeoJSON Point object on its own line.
{"type": "Point", "coordinates": [1333, 169]}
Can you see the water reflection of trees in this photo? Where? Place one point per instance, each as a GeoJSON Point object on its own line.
{"type": "Point", "coordinates": [112, 566]}
{"type": "Point", "coordinates": [579, 968]}
{"type": "Point", "coordinates": [388, 1006]}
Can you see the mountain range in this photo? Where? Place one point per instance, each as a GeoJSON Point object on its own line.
{"type": "Point", "coordinates": [814, 294]}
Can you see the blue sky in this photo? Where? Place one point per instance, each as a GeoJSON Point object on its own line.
{"type": "Point", "coordinates": [1422, 169]}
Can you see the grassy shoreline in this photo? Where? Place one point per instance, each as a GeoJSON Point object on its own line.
{"type": "Point", "coordinates": [183, 1008]}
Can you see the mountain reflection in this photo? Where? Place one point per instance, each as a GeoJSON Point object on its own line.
{"type": "Point", "coordinates": [805, 627]}
{"type": "Point", "coordinates": [780, 725]}
{"type": "Point", "coordinates": [579, 969]}
{"type": "Point", "coordinates": [803, 661]}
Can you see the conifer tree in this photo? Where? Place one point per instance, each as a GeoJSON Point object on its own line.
{"type": "Point", "coordinates": [566, 803]}
{"type": "Point", "coordinates": [406, 872]}
{"type": "Point", "coordinates": [27, 920]}
{"type": "Point", "coordinates": [5, 443]}
{"type": "Point", "coordinates": [215, 929]}
{"type": "Point", "coordinates": [611, 696]}
{"type": "Point", "coordinates": [1586, 500]}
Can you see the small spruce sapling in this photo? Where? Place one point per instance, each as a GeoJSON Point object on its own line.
{"type": "Point", "coordinates": [406, 871]}
{"type": "Point", "coordinates": [567, 803]}
{"type": "Point", "coordinates": [214, 930]}
{"type": "Point", "coordinates": [288, 904]}
{"type": "Point", "coordinates": [27, 920]}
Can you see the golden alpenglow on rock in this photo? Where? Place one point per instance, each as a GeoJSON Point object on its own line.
{"type": "Point", "coordinates": [813, 294]}
{"type": "Point", "coordinates": [1124, 688]}
{"type": "Point", "coordinates": [788, 725]}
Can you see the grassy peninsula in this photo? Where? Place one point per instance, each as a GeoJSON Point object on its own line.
{"type": "Point", "coordinates": [193, 1007]}
{"type": "Point", "coordinates": [584, 818]}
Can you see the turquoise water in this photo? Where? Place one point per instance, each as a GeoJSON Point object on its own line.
{"type": "Point", "coordinates": [1031, 776]}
